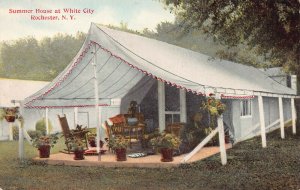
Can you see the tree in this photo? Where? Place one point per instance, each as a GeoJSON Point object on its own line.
{"type": "Point", "coordinates": [28, 58]}
{"type": "Point", "coordinates": [270, 28]}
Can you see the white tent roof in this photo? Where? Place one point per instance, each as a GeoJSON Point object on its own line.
{"type": "Point", "coordinates": [123, 59]}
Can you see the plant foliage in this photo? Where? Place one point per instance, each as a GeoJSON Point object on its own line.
{"type": "Point", "coordinates": [270, 27]}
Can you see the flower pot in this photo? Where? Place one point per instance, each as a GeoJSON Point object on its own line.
{"type": "Point", "coordinates": [166, 154]}
{"type": "Point", "coordinates": [92, 143]}
{"type": "Point", "coordinates": [10, 118]}
{"type": "Point", "coordinates": [78, 154]}
{"type": "Point", "coordinates": [44, 151]}
{"type": "Point", "coordinates": [121, 154]}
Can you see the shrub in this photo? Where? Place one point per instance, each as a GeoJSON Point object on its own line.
{"type": "Point", "coordinates": [15, 132]}
{"type": "Point", "coordinates": [41, 126]}
{"type": "Point", "coordinates": [34, 134]}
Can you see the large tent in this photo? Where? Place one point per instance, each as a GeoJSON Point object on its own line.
{"type": "Point", "coordinates": [111, 62]}
{"type": "Point", "coordinates": [123, 59]}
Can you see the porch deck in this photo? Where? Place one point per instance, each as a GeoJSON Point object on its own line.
{"type": "Point", "coordinates": [108, 159]}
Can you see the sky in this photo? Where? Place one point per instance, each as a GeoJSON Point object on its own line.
{"type": "Point", "coordinates": [138, 14]}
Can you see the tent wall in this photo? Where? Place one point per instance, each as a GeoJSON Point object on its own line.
{"type": "Point", "coordinates": [149, 107]}
{"type": "Point", "coordinates": [248, 127]}
{"type": "Point", "coordinates": [137, 93]}
{"type": "Point", "coordinates": [287, 110]}
{"type": "Point", "coordinates": [193, 104]}
{"type": "Point", "coordinates": [4, 130]}
{"type": "Point", "coordinates": [227, 118]}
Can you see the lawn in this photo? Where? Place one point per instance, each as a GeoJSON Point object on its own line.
{"type": "Point", "coordinates": [249, 167]}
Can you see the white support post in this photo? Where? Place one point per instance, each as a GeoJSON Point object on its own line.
{"type": "Point", "coordinates": [75, 116]}
{"type": "Point", "coordinates": [200, 146]}
{"type": "Point", "coordinates": [47, 121]}
{"type": "Point", "coordinates": [293, 115]}
{"type": "Point", "coordinates": [262, 121]}
{"type": "Point", "coordinates": [100, 124]}
{"type": "Point", "coordinates": [281, 119]}
{"type": "Point", "coordinates": [21, 139]}
{"type": "Point", "coordinates": [11, 135]}
{"type": "Point", "coordinates": [96, 90]}
{"type": "Point", "coordinates": [161, 106]}
{"type": "Point", "coordinates": [222, 140]}
{"type": "Point", "coordinates": [21, 132]}
{"type": "Point", "coordinates": [182, 97]}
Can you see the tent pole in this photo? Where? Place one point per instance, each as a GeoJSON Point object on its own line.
{"type": "Point", "coordinates": [75, 116]}
{"type": "Point", "coordinates": [293, 115]}
{"type": "Point", "coordinates": [222, 140]}
{"type": "Point", "coordinates": [262, 121]}
{"type": "Point", "coordinates": [21, 132]}
{"type": "Point", "coordinates": [182, 96]}
{"type": "Point", "coordinates": [281, 117]}
{"type": "Point", "coordinates": [11, 136]}
{"type": "Point", "coordinates": [161, 106]}
{"type": "Point", "coordinates": [47, 121]}
{"type": "Point", "coordinates": [94, 63]}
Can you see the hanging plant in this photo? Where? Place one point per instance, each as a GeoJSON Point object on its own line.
{"type": "Point", "coordinates": [11, 114]}
{"type": "Point", "coordinates": [214, 106]}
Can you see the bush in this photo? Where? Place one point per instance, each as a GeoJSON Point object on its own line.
{"type": "Point", "coordinates": [15, 132]}
{"type": "Point", "coordinates": [40, 126]}
{"type": "Point", "coordinates": [34, 134]}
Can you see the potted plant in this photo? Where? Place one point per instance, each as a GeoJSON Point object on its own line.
{"type": "Point", "coordinates": [119, 144]}
{"type": "Point", "coordinates": [44, 143]}
{"type": "Point", "coordinates": [92, 139]}
{"type": "Point", "coordinates": [11, 114]}
{"type": "Point", "coordinates": [166, 143]}
{"type": "Point", "coordinates": [145, 139]}
{"type": "Point", "coordinates": [77, 146]}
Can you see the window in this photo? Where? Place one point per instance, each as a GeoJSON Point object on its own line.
{"type": "Point", "coordinates": [172, 103]}
{"type": "Point", "coordinates": [172, 117]}
{"type": "Point", "coordinates": [246, 107]}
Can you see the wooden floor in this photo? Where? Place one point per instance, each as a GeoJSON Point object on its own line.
{"type": "Point", "coordinates": [108, 159]}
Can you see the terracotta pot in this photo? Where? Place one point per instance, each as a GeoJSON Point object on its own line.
{"type": "Point", "coordinates": [44, 151]}
{"type": "Point", "coordinates": [121, 154]}
{"type": "Point", "coordinates": [166, 154]}
{"type": "Point", "coordinates": [92, 143]}
{"type": "Point", "coordinates": [78, 154]}
{"type": "Point", "coordinates": [10, 118]}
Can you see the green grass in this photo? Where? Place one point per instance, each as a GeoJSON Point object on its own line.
{"type": "Point", "coordinates": [249, 167]}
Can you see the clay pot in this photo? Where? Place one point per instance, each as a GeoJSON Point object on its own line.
{"type": "Point", "coordinates": [92, 143]}
{"type": "Point", "coordinates": [10, 118]}
{"type": "Point", "coordinates": [166, 154]}
{"type": "Point", "coordinates": [78, 154]}
{"type": "Point", "coordinates": [44, 151]}
{"type": "Point", "coordinates": [121, 154]}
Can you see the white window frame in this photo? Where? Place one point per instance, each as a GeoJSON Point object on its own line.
{"type": "Point", "coordinates": [172, 113]}
{"type": "Point", "coordinates": [246, 108]}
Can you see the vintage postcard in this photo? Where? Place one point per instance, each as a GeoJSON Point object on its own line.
{"type": "Point", "coordinates": [149, 94]}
